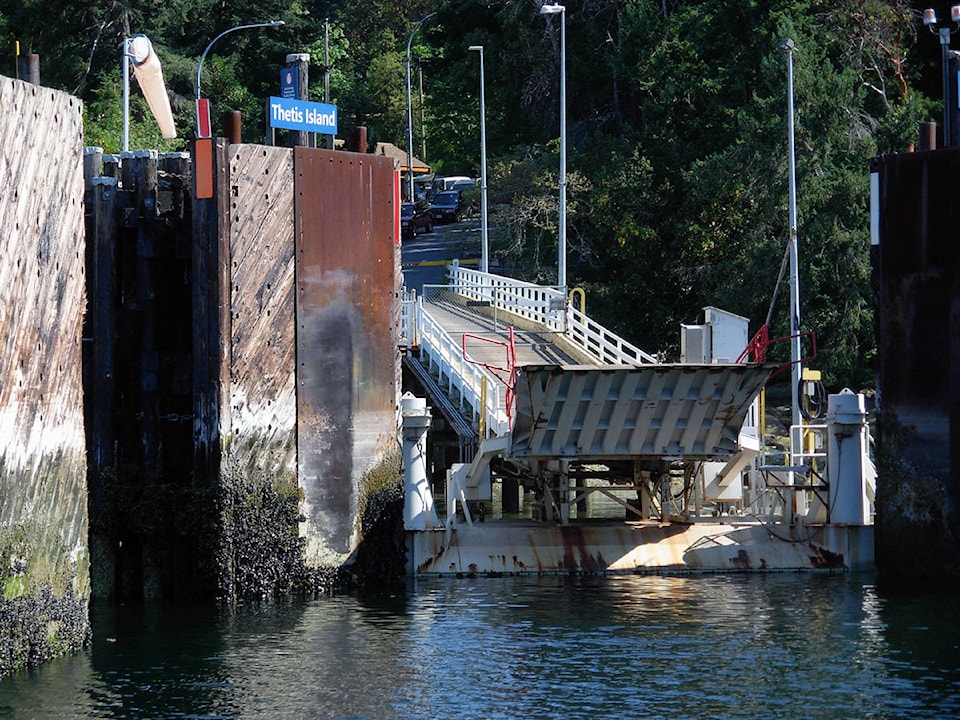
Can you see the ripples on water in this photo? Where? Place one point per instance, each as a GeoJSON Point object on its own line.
{"type": "Point", "coordinates": [715, 646]}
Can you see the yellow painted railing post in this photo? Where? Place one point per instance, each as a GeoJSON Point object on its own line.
{"type": "Point", "coordinates": [583, 298]}
{"type": "Point", "coordinates": [483, 408]}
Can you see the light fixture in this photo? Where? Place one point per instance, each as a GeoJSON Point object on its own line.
{"type": "Point", "coordinates": [413, 32]}
{"type": "Point", "coordinates": [945, 31]}
{"type": "Point", "coordinates": [203, 111]}
{"type": "Point", "coordinates": [484, 244]}
{"type": "Point", "coordinates": [562, 237]}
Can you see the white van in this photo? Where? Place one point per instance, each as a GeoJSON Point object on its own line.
{"type": "Point", "coordinates": [457, 182]}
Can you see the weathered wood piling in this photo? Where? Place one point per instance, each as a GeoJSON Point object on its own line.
{"type": "Point", "coordinates": [43, 502]}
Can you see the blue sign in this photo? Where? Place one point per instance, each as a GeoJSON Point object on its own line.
{"type": "Point", "coordinates": [303, 115]}
{"type": "Point", "coordinates": [289, 82]}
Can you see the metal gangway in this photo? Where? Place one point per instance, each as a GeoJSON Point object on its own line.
{"type": "Point", "coordinates": [518, 370]}
{"type": "Point", "coordinates": [471, 333]}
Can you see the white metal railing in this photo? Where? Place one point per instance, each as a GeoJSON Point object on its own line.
{"type": "Point", "coordinates": [812, 441]}
{"type": "Point", "coordinates": [545, 306]}
{"type": "Point", "coordinates": [598, 342]}
{"type": "Point", "coordinates": [537, 303]}
{"type": "Point", "coordinates": [476, 387]}
{"type": "Point", "coordinates": [409, 317]}
{"type": "Point", "coordinates": [549, 307]}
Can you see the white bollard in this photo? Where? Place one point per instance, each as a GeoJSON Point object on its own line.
{"type": "Point", "coordinates": [418, 509]}
{"type": "Point", "coordinates": [848, 459]}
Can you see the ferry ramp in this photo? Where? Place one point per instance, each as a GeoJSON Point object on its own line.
{"type": "Point", "coordinates": [523, 376]}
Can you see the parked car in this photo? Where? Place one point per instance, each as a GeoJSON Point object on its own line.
{"type": "Point", "coordinates": [413, 218]}
{"type": "Point", "coordinates": [446, 206]}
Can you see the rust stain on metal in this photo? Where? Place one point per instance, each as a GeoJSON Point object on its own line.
{"type": "Point", "coordinates": [347, 360]}
{"type": "Point", "coordinates": [577, 556]}
{"type": "Point", "coordinates": [825, 559]}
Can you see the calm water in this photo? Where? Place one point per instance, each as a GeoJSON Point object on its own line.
{"type": "Point", "coordinates": [715, 646]}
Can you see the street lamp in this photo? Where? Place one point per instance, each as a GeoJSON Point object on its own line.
{"type": "Point", "coordinates": [410, 110]}
{"type": "Point", "coordinates": [930, 20]}
{"type": "Point", "coordinates": [787, 46]}
{"type": "Point", "coordinates": [484, 247]}
{"type": "Point", "coordinates": [562, 239]}
{"type": "Point", "coordinates": [206, 130]}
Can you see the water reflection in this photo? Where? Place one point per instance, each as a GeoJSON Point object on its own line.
{"type": "Point", "coordinates": [723, 646]}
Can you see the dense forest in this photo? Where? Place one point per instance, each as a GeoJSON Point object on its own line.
{"type": "Point", "coordinates": [677, 163]}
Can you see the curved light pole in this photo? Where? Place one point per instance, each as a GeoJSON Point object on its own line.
{"type": "Point", "coordinates": [410, 110]}
{"type": "Point", "coordinates": [930, 20]}
{"type": "Point", "coordinates": [484, 246]}
{"type": "Point", "coordinates": [272, 23]}
{"type": "Point", "coordinates": [562, 238]}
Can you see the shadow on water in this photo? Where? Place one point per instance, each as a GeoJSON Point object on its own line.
{"type": "Point", "coordinates": [721, 646]}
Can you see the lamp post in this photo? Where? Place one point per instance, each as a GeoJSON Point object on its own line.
{"type": "Point", "coordinates": [930, 20]}
{"type": "Point", "coordinates": [562, 238]}
{"type": "Point", "coordinates": [125, 65]}
{"type": "Point", "coordinates": [410, 109]}
{"type": "Point", "coordinates": [272, 23]}
{"type": "Point", "coordinates": [787, 46]}
{"type": "Point", "coordinates": [484, 247]}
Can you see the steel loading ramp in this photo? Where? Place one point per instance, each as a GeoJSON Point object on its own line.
{"type": "Point", "coordinates": [587, 412]}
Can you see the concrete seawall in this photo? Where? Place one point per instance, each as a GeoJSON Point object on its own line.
{"type": "Point", "coordinates": [44, 565]}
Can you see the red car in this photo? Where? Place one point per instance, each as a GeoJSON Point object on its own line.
{"type": "Point", "coordinates": [414, 218]}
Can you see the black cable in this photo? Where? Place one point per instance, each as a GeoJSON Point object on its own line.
{"type": "Point", "coordinates": [812, 407]}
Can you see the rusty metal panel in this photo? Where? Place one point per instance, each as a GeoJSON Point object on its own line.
{"type": "Point", "coordinates": [262, 386]}
{"type": "Point", "coordinates": [348, 363]}
{"type": "Point", "coordinates": [580, 411]}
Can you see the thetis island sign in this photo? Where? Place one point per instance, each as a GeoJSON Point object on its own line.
{"type": "Point", "coordinates": [304, 115]}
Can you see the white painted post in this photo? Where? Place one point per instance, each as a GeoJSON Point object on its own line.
{"type": "Point", "coordinates": [418, 509]}
{"type": "Point", "coordinates": [850, 468]}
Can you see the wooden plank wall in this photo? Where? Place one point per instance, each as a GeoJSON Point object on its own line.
{"type": "Point", "coordinates": [263, 408]}
{"type": "Point", "coordinates": [43, 501]}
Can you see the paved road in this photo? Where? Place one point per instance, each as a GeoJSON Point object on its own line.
{"type": "Point", "coordinates": [425, 256]}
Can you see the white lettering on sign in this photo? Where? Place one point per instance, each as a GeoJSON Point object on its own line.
{"type": "Point", "coordinates": [303, 115]}
{"type": "Point", "coordinates": [290, 114]}
{"type": "Point", "coordinates": [315, 117]}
